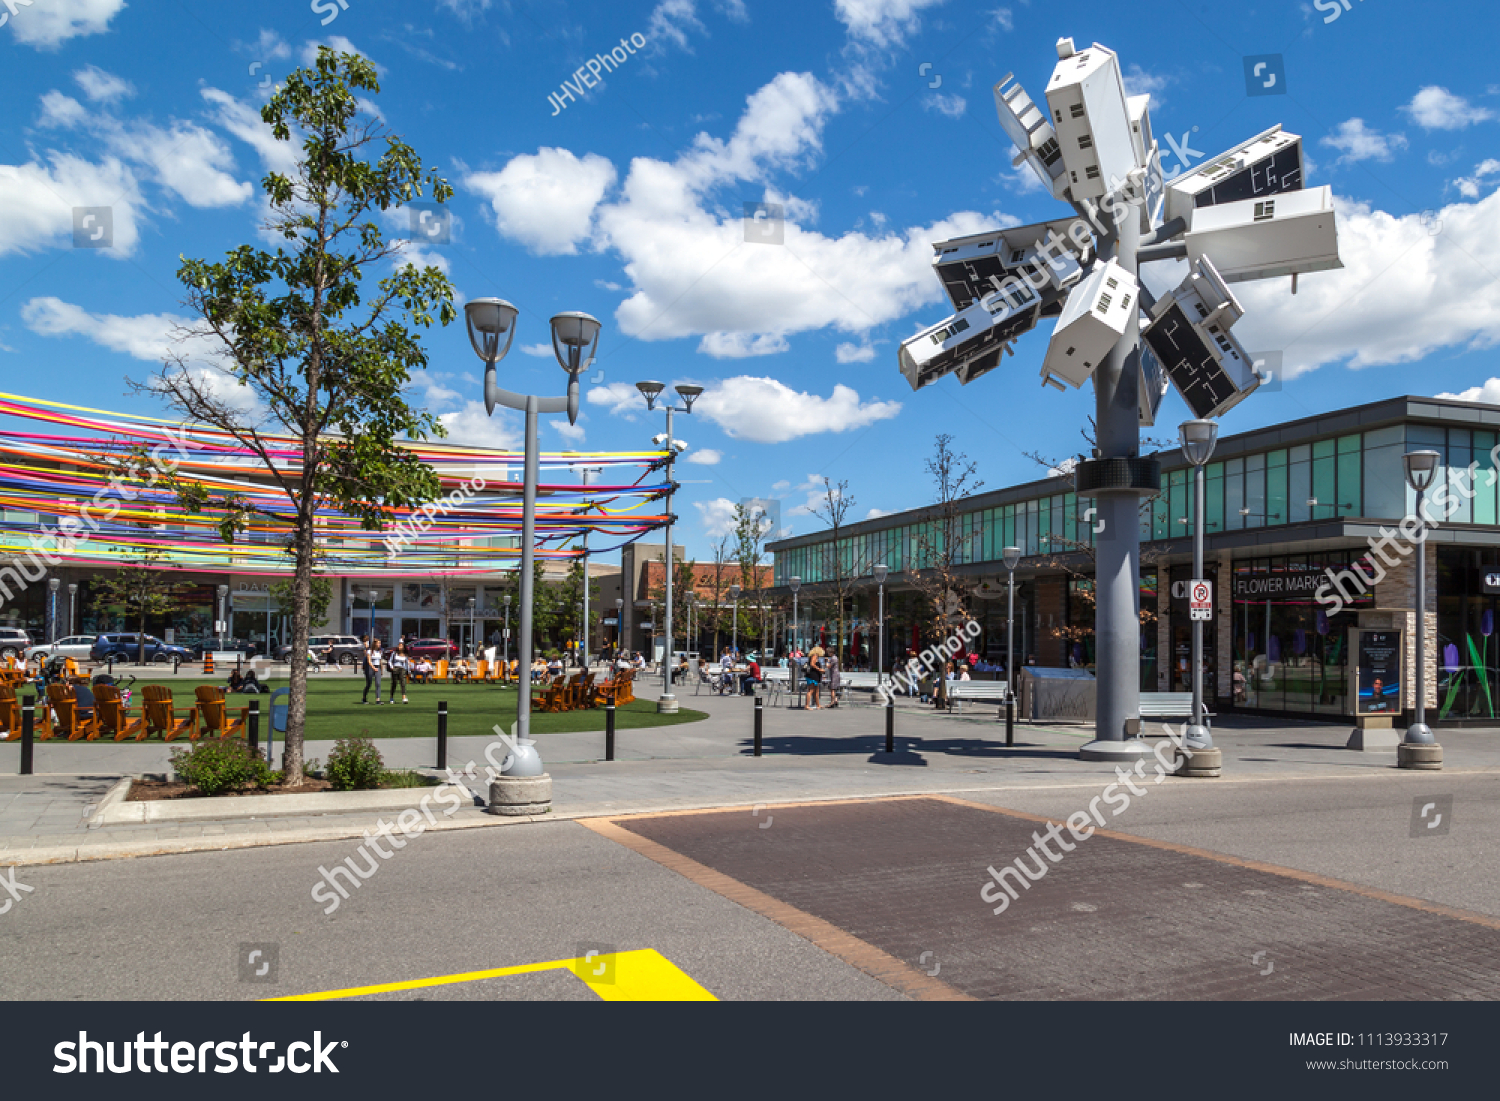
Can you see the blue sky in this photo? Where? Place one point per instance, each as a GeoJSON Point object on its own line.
{"type": "Point", "coordinates": [870, 121]}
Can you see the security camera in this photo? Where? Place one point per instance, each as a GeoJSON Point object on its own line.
{"type": "Point", "coordinates": [660, 439]}
{"type": "Point", "coordinates": [679, 446]}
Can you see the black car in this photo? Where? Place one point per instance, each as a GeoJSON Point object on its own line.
{"type": "Point", "coordinates": [127, 648]}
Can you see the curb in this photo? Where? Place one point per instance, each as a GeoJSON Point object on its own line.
{"type": "Point", "coordinates": [115, 810]}
{"type": "Point", "coordinates": [115, 795]}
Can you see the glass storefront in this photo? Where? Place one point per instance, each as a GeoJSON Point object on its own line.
{"type": "Point", "coordinates": [1468, 651]}
{"type": "Point", "coordinates": [1289, 654]}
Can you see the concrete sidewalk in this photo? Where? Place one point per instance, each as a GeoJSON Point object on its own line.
{"type": "Point", "coordinates": [809, 755]}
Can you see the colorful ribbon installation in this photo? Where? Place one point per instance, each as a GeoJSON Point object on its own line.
{"type": "Point", "coordinates": [62, 494]}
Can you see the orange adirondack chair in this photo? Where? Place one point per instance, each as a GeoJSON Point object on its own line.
{"type": "Point", "coordinates": [573, 692]}
{"type": "Point", "coordinates": [217, 718]}
{"type": "Point", "coordinates": [441, 672]}
{"type": "Point", "coordinates": [10, 718]}
{"type": "Point", "coordinates": [554, 699]}
{"type": "Point", "coordinates": [64, 703]}
{"type": "Point", "coordinates": [586, 691]}
{"type": "Point", "coordinates": [161, 715]}
{"type": "Point", "coordinates": [113, 716]}
{"type": "Point", "coordinates": [482, 672]}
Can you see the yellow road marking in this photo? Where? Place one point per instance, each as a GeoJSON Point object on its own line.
{"type": "Point", "coordinates": [644, 975]}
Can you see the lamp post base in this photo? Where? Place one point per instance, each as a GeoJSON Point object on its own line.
{"type": "Point", "coordinates": [1199, 763]}
{"type": "Point", "coordinates": [1130, 749]}
{"type": "Point", "coordinates": [519, 796]}
{"type": "Point", "coordinates": [1425, 756]}
{"type": "Point", "coordinates": [666, 705]}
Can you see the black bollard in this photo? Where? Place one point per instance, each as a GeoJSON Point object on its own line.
{"type": "Point", "coordinates": [111, 665]}
{"type": "Point", "coordinates": [1010, 719]}
{"type": "Point", "coordinates": [609, 726]}
{"type": "Point", "coordinates": [28, 733]}
{"type": "Point", "coordinates": [760, 711]}
{"type": "Point", "coordinates": [442, 753]}
{"type": "Point", "coordinates": [254, 725]}
{"type": "Point", "coordinates": [890, 724]}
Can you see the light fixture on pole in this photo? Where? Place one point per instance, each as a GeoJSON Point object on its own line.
{"type": "Point", "coordinates": [473, 649]}
{"type": "Point", "coordinates": [53, 584]}
{"type": "Point", "coordinates": [881, 571]}
{"type": "Point", "coordinates": [223, 596]}
{"type": "Point", "coordinates": [796, 583]}
{"type": "Point", "coordinates": [689, 393]}
{"type": "Point", "coordinates": [1011, 556]}
{"type": "Point", "coordinates": [1198, 439]}
{"type": "Point", "coordinates": [1418, 748]}
{"type": "Point", "coordinates": [734, 595]}
{"type": "Point", "coordinates": [619, 623]}
{"type": "Point", "coordinates": [72, 607]}
{"type": "Point", "coordinates": [506, 640]}
{"type": "Point", "coordinates": [575, 339]}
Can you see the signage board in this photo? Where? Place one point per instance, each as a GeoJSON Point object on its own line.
{"type": "Point", "coordinates": [1377, 672]}
{"type": "Point", "coordinates": [1201, 599]}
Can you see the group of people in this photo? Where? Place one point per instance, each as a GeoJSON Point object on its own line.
{"type": "Point", "coordinates": [376, 660]}
{"type": "Point", "coordinates": [820, 667]}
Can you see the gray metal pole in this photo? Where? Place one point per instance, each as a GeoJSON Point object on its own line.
{"type": "Point", "coordinates": [880, 658]}
{"type": "Point", "coordinates": [528, 581]}
{"type": "Point", "coordinates": [668, 702]}
{"type": "Point", "coordinates": [1197, 735]}
{"type": "Point", "coordinates": [1010, 638]}
{"type": "Point", "coordinates": [1118, 549]}
{"type": "Point", "coordinates": [1419, 733]}
{"type": "Point", "coordinates": [585, 641]}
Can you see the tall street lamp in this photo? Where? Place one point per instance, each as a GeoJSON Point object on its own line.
{"type": "Point", "coordinates": [72, 607]}
{"type": "Point", "coordinates": [472, 648]}
{"type": "Point", "coordinates": [1419, 749]}
{"type": "Point", "coordinates": [619, 623]}
{"type": "Point", "coordinates": [506, 640]}
{"type": "Point", "coordinates": [1011, 556]}
{"type": "Point", "coordinates": [53, 584]}
{"type": "Point", "coordinates": [371, 595]}
{"type": "Point", "coordinates": [734, 595]}
{"type": "Point", "coordinates": [689, 394]}
{"type": "Point", "coordinates": [1198, 440]}
{"type": "Point", "coordinates": [584, 472]}
{"type": "Point", "coordinates": [575, 339]}
{"type": "Point", "coordinates": [881, 571]}
{"type": "Point", "coordinates": [796, 583]}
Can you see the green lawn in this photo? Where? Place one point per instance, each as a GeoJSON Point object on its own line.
{"type": "Point", "coordinates": [334, 710]}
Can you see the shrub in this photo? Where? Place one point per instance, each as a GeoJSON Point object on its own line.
{"type": "Point", "coordinates": [404, 778]}
{"type": "Point", "coordinates": [354, 764]}
{"type": "Point", "coordinates": [216, 766]}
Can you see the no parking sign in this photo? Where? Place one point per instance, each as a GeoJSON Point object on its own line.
{"type": "Point", "coordinates": [1201, 599]}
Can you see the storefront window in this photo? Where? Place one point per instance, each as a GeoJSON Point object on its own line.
{"type": "Point", "coordinates": [1468, 648]}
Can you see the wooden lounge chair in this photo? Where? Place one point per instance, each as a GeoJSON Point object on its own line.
{"type": "Point", "coordinates": [64, 703]}
{"type": "Point", "coordinates": [574, 692]}
{"type": "Point", "coordinates": [482, 672]}
{"type": "Point", "coordinates": [217, 718]}
{"type": "Point", "coordinates": [161, 715]}
{"type": "Point", "coordinates": [113, 716]}
{"type": "Point", "coordinates": [586, 691]}
{"type": "Point", "coordinates": [624, 687]}
{"type": "Point", "coordinates": [441, 672]}
{"type": "Point", "coordinates": [554, 698]}
{"type": "Point", "coordinates": [10, 718]}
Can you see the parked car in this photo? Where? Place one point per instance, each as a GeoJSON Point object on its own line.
{"type": "Point", "coordinates": [76, 647]}
{"type": "Point", "coordinates": [227, 646]}
{"type": "Point", "coordinates": [127, 647]}
{"type": "Point", "coordinates": [345, 649]}
{"type": "Point", "coordinates": [14, 642]}
{"type": "Point", "coordinates": [433, 649]}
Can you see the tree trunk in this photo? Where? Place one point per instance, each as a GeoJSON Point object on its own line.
{"type": "Point", "coordinates": [291, 761]}
{"type": "Point", "coordinates": [140, 639]}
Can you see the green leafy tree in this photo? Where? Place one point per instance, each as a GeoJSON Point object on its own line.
{"type": "Point", "coordinates": [143, 589]}
{"type": "Point", "coordinates": [324, 350]}
{"type": "Point", "coordinates": [319, 596]}
{"type": "Point", "coordinates": [570, 601]}
{"type": "Point", "coordinates": [546, 609]}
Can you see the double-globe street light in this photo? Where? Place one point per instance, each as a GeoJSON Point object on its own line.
{"type": "Point", "coordinates": [1198, 440]}
{"type": "Point", "coordinates": [689, 394]}
{"type": "Point", "coordinates": [575, 338]}
{"type": "Point", "coordinates": [1418, 748]}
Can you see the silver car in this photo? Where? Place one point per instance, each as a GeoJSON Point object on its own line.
{"type": "Point", "coordinates": [76, 647]}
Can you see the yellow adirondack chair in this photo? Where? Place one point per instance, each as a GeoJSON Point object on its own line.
{"type": "Point", "coordinates": [113, 716]}
{"type": "Point", "coordinates": [161, 715]}
{"type": "Point", "coordinates": [217, 718]}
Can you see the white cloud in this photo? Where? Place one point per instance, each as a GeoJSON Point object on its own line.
{"type": "Point", "coordinates": [189, 160]}
{"type": "Point", "coordinates": [854, 353]}
{"type": "Point", "coordinates": [49, 23]}
{"type": "Point", "coordinates": [148, 337]}
{"type": "Point", "coordinates": [1471, 186]}
{"type": "Point", "coordinates": [471, 425]}
{"type": "Point", "coordinates": [670, 21]}
{"type": "Point", "coordinates": [742, 345]}
{"type": "Point", "coordinates": [877, 513]}
{"type": "Point", "coordinates": [767, 411]}
{"type": "Point", "coordinates": [541, 351]}
{"type": "Point", "coordinates": [466, 10]}
{"type": "Point", "coordinates": [1436, 108]}
{"type": "Point", "coordinates": [621, 398]}
{"type": "Point", "coordinates": [705, 456]}
{"type": "Point", "coordinates": [1402, 294]}
{"type": "Point", "coordinates": [880, 23]}
{"type": "Point", "coordinates": [339, 44]}
{"type": "Point", "coordinates": [1359, 142]}
{"type": "Point", "coordinates": [62, 111]}
{"type": "Point", "coordinates": [38, 202]}
{"type": "Point", "coordinates": [953, 106]}
{"type": "Point", "coordinates": [420, 255]}
{"type": "Point", "coordinates": [244, 122]}
{"type": "Point", "coordinates": [270, 46]}
{"type": "Point", "coordinates": [546, 201]}
{"type": "Point", "coordinates": [717, 516]}
{"type": "Point", "coordinates": [781, 486]}
{"type": "Point", "coordinates": [102, 87]}
{"type": "Point", "coordinates": [571, 433]}
{"type": "Point", "coordinates": [1139, 82]}
{"type": "Point", "coordinates": [1487, 392]}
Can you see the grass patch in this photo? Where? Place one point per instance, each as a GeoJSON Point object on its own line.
{"type": "Point", "coordinates": [334, 710]}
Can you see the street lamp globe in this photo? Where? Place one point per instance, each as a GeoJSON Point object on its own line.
{"type": "Point", "coordinates": [573, 334]}
{"type": "Point", "coordinates": [1198, 439]}
{"type": "Point", "coordinates": [507, 600]}
{"type": "Point", "coordinates": [881, 572]}
{"type": "Point", "coordinates": [1011, 556]}
{"type": "Point", "coordinates": [1421, 469]}
{"type": "Point", "coordinates": [734, 592]}
{"type": "Point", "coordinates": [795, 583]}
{"type": "Point", "coordinates": [650, 390]}
{"type": "Point", "coordinates": [488, 318]}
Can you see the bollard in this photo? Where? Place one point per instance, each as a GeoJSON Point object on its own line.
{"type": "Point", "coordinates": [890, 724]}
{"type": "Point", "coordinates": [254, 727]}
{"type": "Point", "coordinates": [442, 754]}
{"type": "Point", "coordinates": [111, 665]}
{"type": "Point", "coordinates": [760, 711]}
{"type": "Point", "coordinates": [1010, 719]}
{"type": "Point", "coordinates": [28, 733]}
{"type": "Point", "coordinates": [609, 726]}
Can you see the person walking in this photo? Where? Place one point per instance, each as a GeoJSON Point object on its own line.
{"type": "Point", "coordinates": [400, 669]}
{"type": "Point", "coordinates": [813, 671]}
{"type": "Point", "coordinates": [373, 660]}
{"type": "Point", "coordinates": [832, 675]}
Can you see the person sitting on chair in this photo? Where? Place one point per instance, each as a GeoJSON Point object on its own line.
{"type": "Point", "coordinates": [750, 678]}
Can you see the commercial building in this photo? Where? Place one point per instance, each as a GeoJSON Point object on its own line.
{"type": "Point", "coordinates": [1293, 512]}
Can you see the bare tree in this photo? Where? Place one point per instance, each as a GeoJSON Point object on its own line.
{"type": "Point", "coordinates": [842, 571]}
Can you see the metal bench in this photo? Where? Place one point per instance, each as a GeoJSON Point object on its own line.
{"type": "Point", "coordinates": [1170, 705]}
{"type": "Point", "coordinates": [776, 682]}
{"type": "Point", "coordinates": [708, 676]}
{"type": "Point", "coordinates": [960, 690]}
